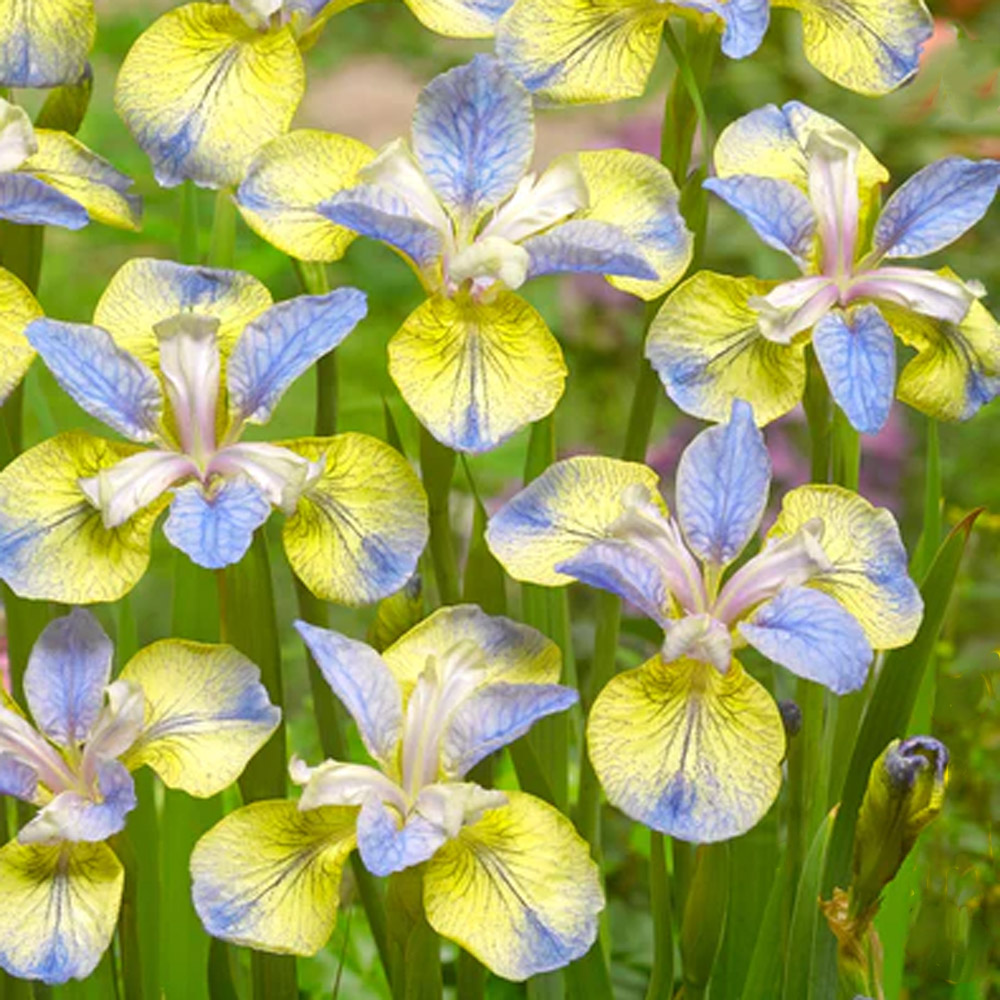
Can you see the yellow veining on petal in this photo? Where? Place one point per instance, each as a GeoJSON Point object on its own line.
{"type": "Point", "coordinates": [18, 307]}
{"type": "Point", "coordinates": [455, 18]}
{"type": "Point", "coordinates": [44, 43]}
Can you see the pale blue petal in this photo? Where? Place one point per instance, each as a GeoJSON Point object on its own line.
{"type": "Point", "coordinates": [779, 212]}
{"type": "Point", "coordinates": [722, 484]}
{"type": "Point", "coordinates": [745, 22]}
{"type": "Point", "coordinates": [386, 847]}
{"type": "Point", "coordinates": [17, 778]}
{"type": "Point", "coordinates": [814, 636]}
{"type": "Point", "coordinates": [215, 530]}
{"type": "Point", "coordinates": [586, 246]}
{"type": "Point", "coordinates": [857, 352]}
{"type": "Point", "coordinates": [936, 206]}
{"type": "Point", "coordinates": [277, 347]}
{"type": "Point", "coordinates": [31, 202]}
{"type": "Point", "coordinates": [474, 135]}
{"type": "Point", "coordinates": [109, 383]}
{"type": "Point", "coordinates": [68, 670]}
{"type": "Point", "coordinates": [364, 684]}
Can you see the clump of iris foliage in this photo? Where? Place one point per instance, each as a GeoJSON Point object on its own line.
{"type": "Point", "coordinates": [542, 547]}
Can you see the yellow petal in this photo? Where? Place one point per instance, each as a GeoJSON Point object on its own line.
{"type": "Point", "coordinates": [18, 307]}
{"type": "Point", "coordinates": [459, 18]}
{"type": "Point", "coordinates": [202, 91]}
{"type": "Point", "coordinates": [268, 876]}
{"type": "Point", "coordinates": [53, 543]}
{"type": "Point", "coordinates": [687, 750]}
{"type": "Point", "coordinates": [474, 373]}
{"type": "Point", "coordinates": [518, 889]}
{"type": "Point", "coordinates": [287, 181]}
{"type": "Point", "coordinates": [45, 43]}
{"type": "Point", "coordinates": [60, 907]}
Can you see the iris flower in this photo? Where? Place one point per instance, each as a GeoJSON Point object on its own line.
{"type": "Point", "coordinates": [208, 83]}
{"type": "Point", "coordinates": [194, 713]}
{"type": "Point", "coordinates": [810, 188]}
{"type": "Point", "coordinates": [604, 50]}
{"type": "Point", "coordinates": [475, 362]}
{"type": "Point", "coordinates": [180, 360]}
{"type": "Point", "coordinates": [690, 743]}
{"type": "Point", "coordinates": [504, 874]}
{"type": "Point", "coordinates": [45, 43]}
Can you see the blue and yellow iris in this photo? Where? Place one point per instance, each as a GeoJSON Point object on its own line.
{"type": "Point", "coordinates": [194, 713]}
{"type": "Point", "coordinates": [179, 361]}
{"type": "Point", "coordinates": [689, 743]}
{"type": "Point", "coordinates": [504, 874]}
{"type": "Point", "coordinates": [45, 43]}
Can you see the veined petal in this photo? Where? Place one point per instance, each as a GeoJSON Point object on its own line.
{"type": "Point", "coordinates": [53, 543]}
{"type": "Point", "coordinates": [206, 714]}
{"type": "Point", "coordinates": [473, 136]}
{"type": "Point", "coordinates": [17, 779]}
{"type": "Point", "coordinates": [857, 352]}
{"type": "Point", "coordinates": [722, 485]}
{"type": "Point", "coordinates": [571, 505]}
{"type": "Point", "coordinates": [388, 842]}
{"type": "Point", "coordinates": [278, 473]}
{"type": "Point", "coordinates": [811, 634]}
{"type": "Point", "coordinates": [581, 51]}
{"type": "Point", "coordinates": [539, 202]}
{"type": "Point", "coordinates": [268, 875]}
{"type": "Point", "coordinates": [287, 181]}
{"type": "Point", "coordinates": [18, 307]}
{"type": "Point", "coordinates": [459, 18]}
{"type": "Point", "coordinates": [708, 348]}
{"type": "Point", "coordinates": [792, 308]}
{"type": "Point", "coordinates": [360, 528]}
{"type": "Point", "coordinates": [365, 685]}
{"type": "Point", "coordinates": [868, 564]}
{"type": "Point", "coordinates": [939, 295]}
{"type": "Point", "coordinates": [202, 91]}
{"type": "Point", "coordinates": [585, 246]}
{"type": "Point", "coordinates": [868, 46]}
{"type": "Point", "coordinates": [66, 165]}
{"type": "Point", "coordinates": [335, 784]}
{"type": "Point", "coordinates": [144, 292]}
{"type": "Point", "coordinates": [45, 43]}
{"type": "Point", "coordinates": [116, 729]}
{"type": "Point", "coordinates": [29, 201]}
{"type": "Point", "coordinates": [744, 22]}
{"type": "Point", "coordinates": [278, 346]}
{"type": "Point", "coordinates": [106, 381]}
{"type": "Point", "coordinates": [68, 670]}
{"type": "Point", "coordinates": [395, 169]}
{"type": "Point", "coordinates": [517, 889]}
{"type": "Point", "coordinates": [687, 750]}
{"type": "Point", "coordinates": [476, 372]}
{"type": "Point", "coordinates": [60, 908]}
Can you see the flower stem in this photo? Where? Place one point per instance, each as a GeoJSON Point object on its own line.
{"type": "Point", "coordinates": [661, 981]}
{"type": "Point", "coordinates": [188, 230]}
{"type": "Point", "coordinates": [437, 466]}
{"type": "Point", "coordinates": [416, 948]}
{"type": "Point", "coordinates": [222, 243]}
{"type": "Point", "coordinates": [315, 280]}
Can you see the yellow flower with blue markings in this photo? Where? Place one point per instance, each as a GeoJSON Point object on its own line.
{"type": "Point", "coordinates": [180, 360]}
{"type": "Point", "coordinates": [689, 743]}
{"type": "Point", "coordinates": [45, 43]}
{"type": "Point", "coordinates": [194, 713]}
{"type": "Point", "coordinates": [504, 874]}
{"type": "Point", "coordinates": [475, 362]}
{"type": "Point", "coordinates": [809, 188]}
{"type": "Point", "coordinates": [577, 51]}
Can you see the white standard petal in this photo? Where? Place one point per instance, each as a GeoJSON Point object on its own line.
{"type": "Point", "coordinates": [17, 137]}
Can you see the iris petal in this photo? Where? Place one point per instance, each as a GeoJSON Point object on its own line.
{"type": "Point", "coordinates": [45, 43]}
{"type": "Point", "coordinates": [18, 308]}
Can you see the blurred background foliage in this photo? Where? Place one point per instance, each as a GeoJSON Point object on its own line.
{"type": "Point", "coordinates": [365, 74]}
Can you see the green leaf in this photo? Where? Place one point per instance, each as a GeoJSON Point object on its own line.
{"type": "Point", "coordinates": [704, 918]}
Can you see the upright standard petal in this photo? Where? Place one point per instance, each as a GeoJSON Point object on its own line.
{"type": "Point", "coordinates": [518, 889]}
{"type": "Point", "coordinates": [708, 348]}
{"type": "Point", "coordinates": [573, 504]}
{"type": "Point", "coordinates": [358, 531]}
{"type": "Point", "coordinates": [202, 91]}
{"type": "Point", "coordinates": [106, 381]}
{"type": "Point", "coordinates": [29, 201]}
{"type": "Point", "coordinates": [68, 670]}
{"type": "Point", "coordinates": [268, 875]}
{"type": "Point", "coordinates": [474, 373]}
{"type": "Point", "coordinates": [722, 484]}
{"type": "Point", "coordinates": [473, 136]}
{"type": "Point", "coordinates": [278, 346]}
{"type": "Point", "coordinates": [460, 18]}
{"type": "Point", "coordinates": [206, 714]}
{"type": "Point", "coordinates": [18, 307]}
{"type": "Point", "coordinates": [45, 43]}
{"type": "Point", "coordinates": [60, 908]}
{"type": "Point", "coordinates": [581, 51]}
{"type": "Point", "coordinates": [388, 842]}
{"type": "Point", "coordinates": [53, 543]}
{"type": "Point", "coordinates": [287, 181]}
{"type": "Point", "coordinates": [687, 750]}
{"type": "Point", "coordinates": [868, 573]}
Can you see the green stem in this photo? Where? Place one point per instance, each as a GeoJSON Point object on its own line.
{"type": "Point", "coordinates": [819, 414]}
{"type": "Point", "coordinates": [315, 280]}
{"type": "Point", "coordinates": [416, 948]}
{"type": "Point", "coordinates": [437, 466]}
{"type": "Point", "coordinates": [930, 535]}
{"type": "Point", "coordinates": [188, 230]}
{"type": "Point", "coordinates": [222, 243]}
{"type": "Point", "coordinates": [661, 981]}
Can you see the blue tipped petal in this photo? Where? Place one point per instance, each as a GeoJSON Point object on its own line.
{"type": "Point", "coordinates": [779, 212]}
{"type": "Point", "coordinates": [386, 847]}
{"type": "Point", "coordinates": [106, 381]}
{"type": "Point", "coordinates": [745, 22]}
{"type": "Point", "coordinates": [814, 636]}
{"type": "Point", "coordinates": [857, 352]}
{"type": "Point", "coordinates": [277, 347]}
{"type": "Point", "coordinates": [215, 530]}
{"type": "Point", "coordinates": [69, 667]}
{"type": "Point", "coordinates": [473, 135]}
{"type": "Point", "coordinates": [722, 484]}
{"type": "Point", "coordinates": [17, 779]}
{"type": "Point", "coordinates": [936, 206]}
{"type": "Point", "coordinates": [585, 246]}
{"type": "Point", "coordinates": [31, 202]}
